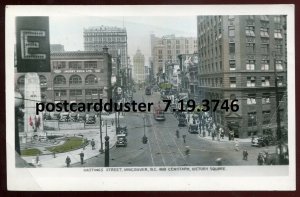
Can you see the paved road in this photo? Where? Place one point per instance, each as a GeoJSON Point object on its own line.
{"type": "Point", "coordinates": [165, 149]}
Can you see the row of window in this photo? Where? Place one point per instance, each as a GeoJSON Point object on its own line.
{"type": "Point", "coordinates": [43, 80]}
{"type": "Point", "coordinates": [264, 32]}
{"type": "Point", "coordinates": [105, 39]}
{"type": "Point", "coordinates": [75, 80]}
{"type": "Point", "coordinates": [251, 82]}
{"type": "Point", "coordinates": [207, 24]}
{"type": "Point", "coordinates": [186, 41]}
{"type": "Point", "coordinates": [77, 92]}
{"type": "Point", "coordinates": [74, 65]}
{"type": "Point", "coordinates": [250, 65]}
{"type": "Point", "coordinates": [266, 117]}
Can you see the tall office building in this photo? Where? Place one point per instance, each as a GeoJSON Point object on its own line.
{"type": "Point", "coordinates": [165, 50]}
{"type": "Point", "coordinates": [238, 56]}
{"type": "Point", "coordinates": [139, 67]}
{"type": "Point", "coordinates": [115, 38]}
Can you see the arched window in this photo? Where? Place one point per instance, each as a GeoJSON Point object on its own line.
{"type": "Point", "coordinates": [43, 80]}
{"type": "Point", "coordinates": [75, 79]}
{"type": "Point", "coordinates": [91, 79]}
{"type": "Point", "coordinates": [59, 80]}
{"type": "Point", "coordinates": [21, 81]}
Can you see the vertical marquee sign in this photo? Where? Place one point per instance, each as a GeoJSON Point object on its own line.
{"type": "Point", "coordinates": [33, 48]}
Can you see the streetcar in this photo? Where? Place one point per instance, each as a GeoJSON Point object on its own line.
{"type": "Point", "coordinates": [148, 91]}
{"type": "Point", "coordinates": [159, 113]}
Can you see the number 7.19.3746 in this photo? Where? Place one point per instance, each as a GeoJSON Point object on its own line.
{"type": "Point", "coordinates": [205, 106]}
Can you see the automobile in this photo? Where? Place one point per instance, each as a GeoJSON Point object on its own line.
{"type": "Point", "coordinates": [121, 140]}
{"type": "Point", "coordinates": [122, 130]}
{"type": "Point", "coordinates": [148, 91]}
{"type": "Point", "coordinates": [47, 116]}
{"type": "Point", "coordinates": [182, 121]}
{"type": "Point", "coordinates": [261, 141]}
{"type": "Point", "coordinates": [73, 117]}
{"type": "Point", "coordinates": [64, 117]}
{"type": "Point", "coordinates": [81, 117]}
{"type": "Point", "coordinates": [257, 141]}
{"type": "Point", "coordinates": [55, 116]}
{"type": "Point", "coordinates": [193, 128]}
{"type": "Point", "coordinates": [91, 120]}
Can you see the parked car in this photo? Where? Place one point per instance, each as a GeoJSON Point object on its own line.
{"type": "Point", "coordinates": [81, 117]}
{"type": "Point", "coordinates": [73, 117]}
{"type": "Point", "coordinates": [91, 120]}
{"type": "Point", "coordinates": [261, 141]}
{"type": "Point", "coordinates": [121, 140]}
{"type": "Point", "coordinates": [64, 117]}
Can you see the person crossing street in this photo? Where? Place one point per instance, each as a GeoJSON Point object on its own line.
{"type": "Point", "coordinates": [68, 161]}
{"type": "Point", "coordinates": [177, 133]}
{"type": "Point", "coordinates": [81, 157]}
{"type": "Point", "coordinates": [184, 136]}
{"type": "Point", "coordinates": [93, 144]}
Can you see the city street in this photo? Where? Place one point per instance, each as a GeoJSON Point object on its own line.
{"type": "Point", "coordinates": [165, 149]}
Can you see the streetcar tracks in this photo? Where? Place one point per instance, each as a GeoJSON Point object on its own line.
{"type": "Point", "coordinates": [172, 137]}
{"type": "Point", "coordinates": [154, 131]}
{"type": "Point", "coordinates": [165, 142]}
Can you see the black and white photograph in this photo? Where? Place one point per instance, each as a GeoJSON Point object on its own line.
{"type": "Point", "coordinates": [208, 92]}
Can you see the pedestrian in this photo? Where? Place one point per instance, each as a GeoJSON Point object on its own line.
{"type": "Point", "coordinates": [177, 133]}
{"type": "Point", "coordinates": [219, 161]}
{"type": "Point", "coordinates": [245, 155]}
{"type": "Point", "coordinates": [260, 159]}
{"type": "Point", "coordinates": [222, 133]}
{"type": "Point", "coordinates": [236, 147]}
{"type": "Point", "coordinates": [218, 135]}
{"type": "Point", "coordinates": [232, 135]}
{"type": "Point", "coordinates": [68, 161]}
{"type": "Point", "coordinates": [93, 144]}
{"type": "Point", "coordinates": [213, 135]}
{"type": "Point", "coordinates": [112, 122]}
{"type": "Point", "coordinates": [183, 136]}
{"type": "Point", "coordinates": [267, 158]}
{"type": "Point", "coordinates": [187, 150]}
{"type": "Point", "coordinates": [37, 159]}
{"type": "Point", "coordinates": [81, 157]}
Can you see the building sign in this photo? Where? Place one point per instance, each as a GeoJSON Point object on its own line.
{"type": "Point", "coordinates": [78, 71]}
{"type": "Point", "coordinates": [33, 47]}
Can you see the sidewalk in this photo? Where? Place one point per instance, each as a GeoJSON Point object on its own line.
{"type": "Point", "coordinates": [49, 161]}
{"type": "Point", "coordinates": [209, 138]}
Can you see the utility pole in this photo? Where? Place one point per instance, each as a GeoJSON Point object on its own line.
{"type": "Point", "coordinates": [100, 127]}
{"type": "Point", "coordinates": [101, 142]}
{"type": "Point", "coordinates": [106, 161]}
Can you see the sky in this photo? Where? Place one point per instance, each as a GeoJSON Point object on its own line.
{"type": "Point", "coordinates": [68, 31]}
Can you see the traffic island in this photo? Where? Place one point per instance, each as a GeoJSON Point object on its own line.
{"type": "Point", "coordinates": [70, 144]}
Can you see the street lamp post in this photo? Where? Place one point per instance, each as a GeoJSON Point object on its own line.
{"type": "Point", "coordinates": [144, 139]}
{"type": "Point", "coordinates": [252, 124]}
{"type": "Point", "coordinates": [106, 161]}
{"type": "Point", "coordinates": [101, 142]}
